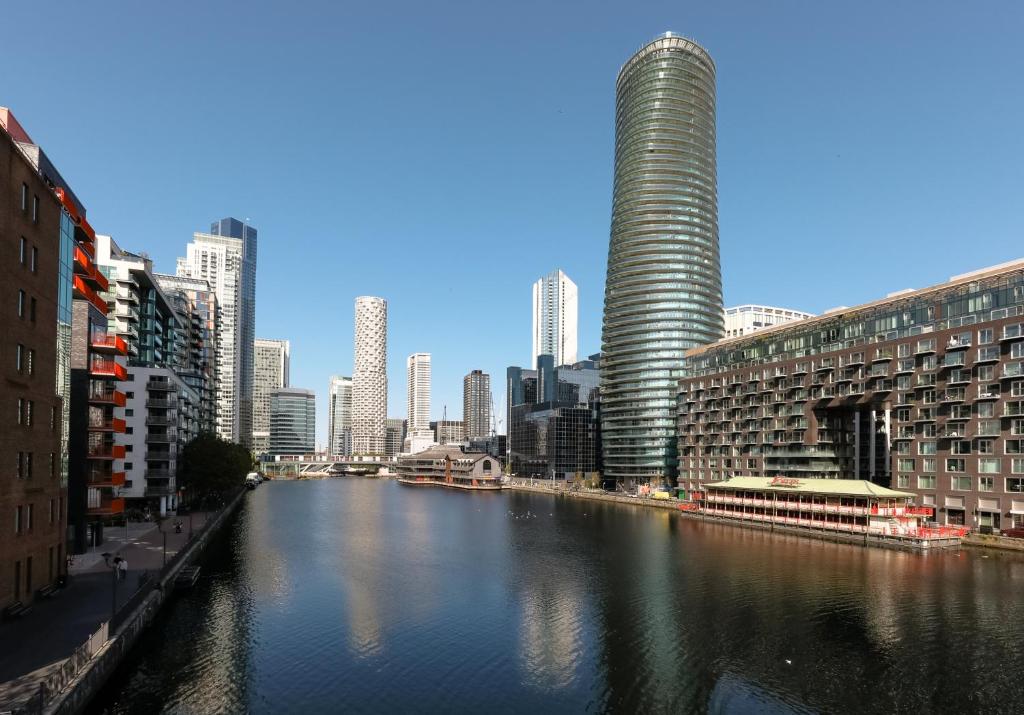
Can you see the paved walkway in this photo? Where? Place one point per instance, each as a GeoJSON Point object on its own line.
{"type": "Point", "coordinates": [37, 644]}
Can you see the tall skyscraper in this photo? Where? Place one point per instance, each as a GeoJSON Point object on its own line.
{"type": "Point", "coordinates": [339, 415]}
{"type": "Point", "coordinates": [418, 395]}
{"type": "Point", "coordinates": [663, 292]}
{"type": "Point", "coordinates": [476, 404]}
{"type": "Point", "coordinates": [370, 378]}
{"type": "Point", "coordinates": [555, 314]}
{"type": "Point", "coordinates": [226, 257]}
{"type": "Point", "coordinates": [292, 421]}
{"type": "Point", "coordinates": [271, 366]}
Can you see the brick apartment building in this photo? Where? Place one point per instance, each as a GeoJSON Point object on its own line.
{"type": "Point", "coordinates": [922, 391]}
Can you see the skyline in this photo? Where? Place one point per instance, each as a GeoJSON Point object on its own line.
{"type": "Point", "coordinates": [818, 123]}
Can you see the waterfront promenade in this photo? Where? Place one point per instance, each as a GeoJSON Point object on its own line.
{"type": "Point", "coordinates": [36, 645]}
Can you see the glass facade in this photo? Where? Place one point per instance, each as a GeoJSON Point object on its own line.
{"type": "Point", "coordinates": [550, 440]}
{"type": "Point", "coordinates": [64, 318]}
{"type": "Point", "coordinates": [292, 421]}
{"type": "Point", "coordinates": [663, 293]}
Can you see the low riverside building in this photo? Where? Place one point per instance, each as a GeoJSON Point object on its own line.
{"type": "Point", "coordinates": [840, 506]}
{"type": "Point", "coordinates": [922, 391]}
{"type": "Point", "coordinates": [448, 466]}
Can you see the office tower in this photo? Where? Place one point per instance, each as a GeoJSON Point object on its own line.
{"type": "Point", "coordinates": [745, 319]}
{"type": "Point", "coordinates": [163, 406]}
{"type": "Point", "coordinates": [339, 416]}
{"type": "Point", "coordinates": [448, 431]}
{"type": "Point", "coordinates": [226, 257]}
{"type": "Point", "coordinates": [418, 395]}
{"type": "Point", "coordinates": [554, 420]}
{"type": "Point", "coordinates": [370, 378]}
{"type": "Point", "coordinates": [555, 314]}
{"type": "Point", "coordinates": [196, 303]}
{"type": "Point", "coordinates": [394, 436]}
{"type": "Point", "coordinates": [38, 235]}
{"type": "Point", "coordinates": [270, 372]}
{"type": "Point", "coordinates": [292, 421]}
{"type": "Point", "coordinates": [476, 404]}
{"type": "Point", "coordinates": [928, 398]}
{"type": "Point", "coordinates": [663, 293]}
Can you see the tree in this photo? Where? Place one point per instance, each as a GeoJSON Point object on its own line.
{"type": "Point", "coordinates": [211, 466]}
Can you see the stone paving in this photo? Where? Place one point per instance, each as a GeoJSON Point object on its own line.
{"type": "Point", "coordinates": [37, 644]}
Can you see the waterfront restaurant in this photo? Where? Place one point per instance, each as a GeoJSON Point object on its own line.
{"type": "Point", "coordinates": [852, 507]}
{"type": "Point", "coordinates": [448, 466]}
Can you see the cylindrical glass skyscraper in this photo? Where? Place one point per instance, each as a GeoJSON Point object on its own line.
{"type": "Point", "coordinates": [663, 293]}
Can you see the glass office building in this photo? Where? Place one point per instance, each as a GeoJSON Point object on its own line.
{"type": "Point", "coordinates": [292, 421]}
{"type": "Point", "coordinates": [663, 293]}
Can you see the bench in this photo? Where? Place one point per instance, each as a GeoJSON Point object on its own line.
{"type": "Point", "coordinates": [16, 610]}
{"type": "Point", "coordinates": [47, 591]}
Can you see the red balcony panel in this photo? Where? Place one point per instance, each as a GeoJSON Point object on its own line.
{"type": "Point", "coordinates": [107, 507]}
{"type": "Point", "coordinates": [109, 343]}
{"type": "Point", "coordinates": [108, 397]}
{"type": "Point", "coordinates": [87, 268]}
{"type": "Point", "coordinates": [118, 451]}
{"type": "Point", "coordinates": [107, 367]}
{"type": "Point", "coordinates": [82, 290]}
{"type": "Point", "coordinates": [87, 229]}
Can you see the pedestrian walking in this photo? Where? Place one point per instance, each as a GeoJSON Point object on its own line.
{"type": "Point", "coordinates": [122, 567]}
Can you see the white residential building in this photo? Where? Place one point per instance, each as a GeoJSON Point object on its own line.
{"type": "Point", "coordinates": [339, 416]}
{"type": "Point", "coordinates": [226, 257]}
{"type": "Point", "coordinates": [370, 378]}
{"type": "Point", "coordinates": [418, 395]}
{"type": "Point", "coordinates": [270, 372]}
{"type": "Point", "coordinates": [745, 319]}
{"type": "Point", "coordinates": [555, 316]}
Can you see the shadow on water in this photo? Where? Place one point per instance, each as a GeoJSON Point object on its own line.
{"type": "Point", "coordinates": [365, 596]}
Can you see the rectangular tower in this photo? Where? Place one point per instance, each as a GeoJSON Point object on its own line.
{"type": "Point", "coordinates": [555, 314]}
{"type": "Point", "coordinates": [476, 404]}
{"type": "Point", "coordinates": [339, 416]}
{"type": "Point", "coordinates": [270, 372]}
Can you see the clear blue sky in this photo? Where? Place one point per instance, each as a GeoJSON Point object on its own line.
{"type": "Point", "coordinates": [445, 155]}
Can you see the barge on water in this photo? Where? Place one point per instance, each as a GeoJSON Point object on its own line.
{"type": "Point", "coordinates": [447, 466]}
{"type": "Point", "coordinates": [854, 509]}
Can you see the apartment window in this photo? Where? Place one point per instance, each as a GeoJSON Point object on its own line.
{"type": "Point", "coordinates": [903, 414]}
{"type": "Point", "coordinates": [905, 465]}
{"type": "Point", "coordinates": [29, 404]}
{"type": "Point", "coordinates": [28, 517]}
{"type": "Point", "coordinates": [902, 447]}
{"type": "Point", "coordinates": [903, 350]}
{"type": "Point", "coordinates": [1015, 485]}
{"type": "Point", "coordinates": [53, 510]}
{"type": "Point", "coordinates": [17, 519]}
{"type": "Point", "coordinates": [128, 466]}
{"type": "Point", "coordinates": [903, 481]}
{"type": "Point", "coordinates": [19, 361]}
{"type": "Point", "coordinates": [53, 418]}
{"type": "Point", "coordinates": [956, 464]}
{"type": "Point", "coordinates": [988, 428]}
{"type": "Point", "coordinates": [929, 362]}
{"type": "Point", "coordinates": [21, 410]}
{"type": "Point", "coordinates": [53, 465]}
{"type": "Point", "coordinates": [985, 446]}
{"type": "Point", "coordinates": [1017, 465]}
{"type": "Point", "coordinates": [1017, 427]}
{"type": "Point", "coordinates": [21, 465]}
{"type": "Point", "coordinates": [31, 364]}
{"type": "Point", "coordinates": [986, 484]}
{"type": "Point", "coordinates": [35, 260]}
{"type": "Point", "coordinates": [988, 465]}
{"type": "Point", "coordinates": [989, 353]}
{"type": "Point", "coordinates": [930, 430]}
{"type": "Point", "coordinates": [986, 373]}
{"type": "Point", "coordinates": [986, 336]}
{"type": "Point", "coordinates": [32, 310]}
{"type": "Point", "coordinates": [926, 447]}
{"type": "Point", "coordinates": [1014, 446]}
{"type": "Point", "coordinates": [24, 197]}
{"type": "Point", "coordinates": [28, 465]}
{"type": "Point", "coordinates": [21, 303]}
{"type": "Point", "coordinates": [22, 250]}
{"type": "Point", "coordinates": [1017, 388]}
{"type": "Point", "coordinates": [35, 208]}
{"type": "Point", "coordinates": [1017, 350]}
{"type": "Point", "coordinates": [928, 464]}
{"type": "Point", "coordinates": [960, 484]}
{"type": "Point", "coordinates": [926, 482]}
{"type": "Point", "coordinates": [928, 397]}
{"type": "Point", "coordinates": [960, 447]}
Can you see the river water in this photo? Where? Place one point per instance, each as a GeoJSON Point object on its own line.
{"type": "Point", "coordinates": [362, 595]}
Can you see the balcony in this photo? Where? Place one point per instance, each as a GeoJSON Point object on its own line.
{"type": "Point", "coordinates": [953, 396]}
{"type": "Point", "coordinates": [883, 354]}
{"type": "Point", "coordinates": [106, 507]}
{"type": "Point", "coordinates": [167, 438]}
{"type": "Point", "coordinates": [989, 354]}
{"type": "Point", "coordinates": [1012, 332]}
{"type": "Point", "coordinates": [84, 291]}
{"type": "Point", "coordinates": [158, 455]}
{"type": "Point", "coordinates": [107, 367]}
{"type": "Point", "coordinates": [1013, 369]}
{"type": "Point", "coordinates": [160, 421]}
{"type": "Point", "coordinates": [984, 394]}
{"type": "Point", "coordinates": [162, 404]}
{"type": "Point", "coordinates": [955, 343]}
{"type": "Point", "coordinates": [107, 425]}
{"type": "Point", "coordinates": [85, 267]}
{"type": "Point", "coordinates": [953, 433]}
{"type": "Point", "coordinates": [905, 365]}
{"type": "Point", "coordinates": [108, 344]}
{"type": "Point", "coordinates": [99, 479]}
{"type": "Point", "coordinates": [161, 385]}
{"type": "Point", "coordinates": [1013, 409]}
{"type": "Point", "coordinates": [105, 396]}
{"type": "Point", "coordinates": [159, 490]}
{"type": "Point", "coordinates": [106, 451]}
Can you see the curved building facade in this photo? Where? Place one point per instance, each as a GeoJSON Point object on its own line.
{"type": "Point", "coordinates": [370, 377]}
{"type": "Point", "coordinates": [663, 293]}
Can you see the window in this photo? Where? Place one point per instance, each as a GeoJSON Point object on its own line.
{"type": "Point", "coordinates": [985, 446]}
{"type": "Point", "coordinates": [1015, 485]}
{"type": "Point", "coordinates": [906, 465]}
{"type": "Point", "coordinates": [985, 409]}
{"type": "Point", "coordinates": [903, 414]}
{"type": "Point", "coordinates": [956, 464]}
{"type": "Point", "coordinates": [31, 362]}
{"type": "Point", "coordinates": [21, 303]}
{"type": "Point", "coordinates": [930, 430]}
{"type": "Point", "coordinates": [926, 447]}
{"type": "Point", "coordinates": [17, 520]}
{"type": "Point", "coordinates": [28, 517]}
{"type": "Point", "coordinates": [1017, 388]}
{"type": "Point", "coordinates": [986, 336]}
{"type": "Point", "coordinates": [928, 464]}
{"type": "Point", "coordinates": [903, 481]}
{"type": "Point", "coordinates": [902, 447]}
{"type": "Point", "coordinates": [986, 484]}
{"type": "Point", "coordinates": [22, 250]}
{"type": "Point", "coordinates": [1017, 465]}
{"type": "Point", "coordinates": [960, 447]}
{"type": "Point", "coordinates": [32, 310]}
{"type": "Point", "coordinates": [1017, 427]}
{"type": "Point", "coordinates": [29, 404]}
{"type": "Point", "coordinates": [989, 353]}
{"type": "Point", "coordinates": [35, 260]}
{"type": "Point", "coordinates": [21, 410]}
{"type": "Point", "coordinates": [986, 373]}
{"type": "Point", "coordinates": [1014, 446]}
{"type": "Point", "coordinates": [988, 428]}
{"type": "Point", "coordinates": [35, 208]}
{"type": "Point", "coordinates": [28, 465]}
{"type": "Point", "coordinates": [19, 361]}
{"type": "Point", "coordinates": [53, 465]}
{"type": "Point", "coordinates": [960, 484]}
{"type": "Point", "coordinates": [24, 197]}
{"type": "Point", "coordinates": [53, 510]}
{"type": "Point", "coordinates": [903, 350]}
{"type": "Point", "coordinates": [988, 465]}
{"type": "Point", "coordinates": [926, 482]}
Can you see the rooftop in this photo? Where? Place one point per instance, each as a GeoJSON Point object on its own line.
{"type": "Point", "coordinates": [842, 487]}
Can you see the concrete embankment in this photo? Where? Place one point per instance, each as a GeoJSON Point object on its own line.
{"type": "Point", "coordinates": [79, 692]}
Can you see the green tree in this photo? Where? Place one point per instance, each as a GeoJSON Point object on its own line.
{"type": "Point", "coordinates": [211, 466]}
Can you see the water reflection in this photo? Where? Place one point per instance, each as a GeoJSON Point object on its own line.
{"type": "Point", "coordinates": [361, 595]}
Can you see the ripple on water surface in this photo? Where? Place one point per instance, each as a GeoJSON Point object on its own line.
{"type": "Point", "coordinates": [366, 596]}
